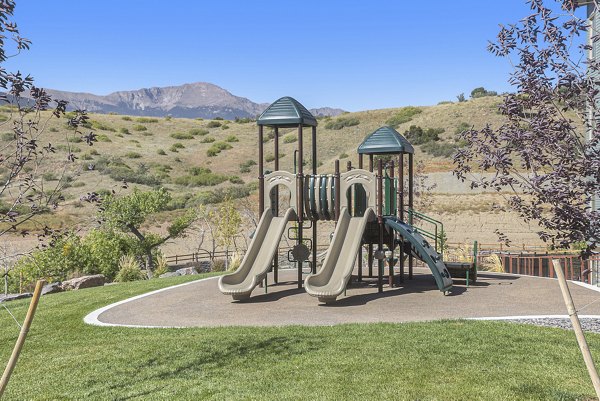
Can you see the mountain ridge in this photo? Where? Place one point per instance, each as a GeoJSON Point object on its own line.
{"type": "Point", "coordinates": [191, 100]}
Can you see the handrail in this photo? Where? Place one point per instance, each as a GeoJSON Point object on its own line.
{"type": "Point", "coordinates": [437, 235]}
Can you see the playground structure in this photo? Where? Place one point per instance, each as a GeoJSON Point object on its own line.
{"type": "Point", "coordinates": [370, 208]}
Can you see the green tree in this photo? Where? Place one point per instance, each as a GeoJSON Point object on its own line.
{"type": "Point", "coordinates": [129, 213]}
{"type": "Point", "coordinates": [227, 226]}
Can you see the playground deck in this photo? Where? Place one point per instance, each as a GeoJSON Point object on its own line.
{"type": "Point", "coordinates": [200, 304]}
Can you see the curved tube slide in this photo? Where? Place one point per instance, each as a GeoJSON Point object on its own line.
{"type": "Point", "coordinates": [258, 258]}
{"type": "Point", "coordinates": [423, 251]}
{"type": "Point", "coordinates": [331, 280]}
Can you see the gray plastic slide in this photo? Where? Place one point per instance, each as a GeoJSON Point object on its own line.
{"type": "Point", "coordinates": [424, 251]}
{"type": "Point", "coordinates": [331, 279]}
{"type": "Point", "coordinates": [258, 258]}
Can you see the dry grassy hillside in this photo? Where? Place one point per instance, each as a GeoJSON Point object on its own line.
{"type": "Point", "coordinates": [176, 153]}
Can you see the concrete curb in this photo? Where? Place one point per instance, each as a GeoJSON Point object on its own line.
{"type": "Point", "coordinates": [92, 318]}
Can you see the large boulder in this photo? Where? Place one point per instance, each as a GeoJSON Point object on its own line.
{"type": "Point", "coordinates": [187, 271]}
{"type": "Point", "coordinates": [52, 288]}
{"type": "Point", "coordinates": [96, 280]}
{"type": "Point", "coordinates": [14, 297]}
{"type": "Point", "coordinates": [169, 274]}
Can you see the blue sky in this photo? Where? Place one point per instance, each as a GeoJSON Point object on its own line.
{"type": "Point", "coordinates": [355, 55]}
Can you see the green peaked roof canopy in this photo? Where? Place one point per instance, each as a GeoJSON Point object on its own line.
{"type": "Point", "coordinates": [385, 140]}
{"type": "Point", "coordinates": [286, 112]}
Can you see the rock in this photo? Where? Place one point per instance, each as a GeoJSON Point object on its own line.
{"type": "Point", "coordinates": [14, 297]}
{"type": "Point", "coordinates": [169, 274]}
{"type": "Point", "coordinates": [204, 266]}
{"type": "Point", "coordinates": [186, 271]}
{"type": "Point", "coordinates": [52, 288]}
{"type": "Point", "coordinates": [97, 280]}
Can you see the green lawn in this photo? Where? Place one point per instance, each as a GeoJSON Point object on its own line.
{"type": "Point", "coordinates": [453, 360]}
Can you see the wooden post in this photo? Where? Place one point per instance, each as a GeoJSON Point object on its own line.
{"type": "Point", "coordinates": [337, 189]}
{"type": "Point", "coordinates": [12, 362]}
{"type": "Point", "coordinates": [276, 195]}
{"type": "Point", "coordinates": [314, 223]}
{"type": "Point", "coordinates": [370, 247]}
{"type": "Point", "coordinates": [380, 260]}
{"type": "Point", "coordinates": [261, 174]}
{"type": "Point", "coordinates": [583, 346]}
{"type": "Point", "coordinates": [300, 197]}
{"type": "Point", "coordinates": [410, 206]}
{"type": "Point", "coordinates": [360, 249]}
{"type": "Point", "coordinates": [393, 234]}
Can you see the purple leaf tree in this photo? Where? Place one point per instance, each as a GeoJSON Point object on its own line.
{"type": "Point", "coordinates": [546, 154]}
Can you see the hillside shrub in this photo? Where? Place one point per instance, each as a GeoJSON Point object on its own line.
{"type": "Point", "coordinates": [207, 139]}
{"type": "Point", "coordinates": [103, 138]}
{"type": "Point", "coordinates": [462, 127]}
{"type": "Point", "coordinates": [139, 127]}
{"type": "Point", "coordinates": [418, 136]}
{"type": "Point", "coordinates": [198, 131]}
{"type": "Point", "coordinates": [270, 157]}
{"type": "Point", "coordinates": [343, 156]}
{"type": "Point", "coordinates": [101, 126]}
{"type": "Point", "coordinates": [176, 146]}
{"type": "Point", "coordinates": [133, 155]}
{"type": "Point", "coordinates": [225, 127]}
{"type": "Point", "coordinates": [245, 166]}
{"type": "Point", "coordinates": [200, 176]}
{"type": "Point", "coordinates": [439, 149]}
{"type": "Point", "coordinates": [219, 195]}
{"type": "Point", "coordinates": [403, 116]}
{"type": "Point", "coordinates": [342, 122]}
{"type": "Point", "coordinates": [218, 118]}
{"type": "Point", "coordinates": [126, 118]}
{"type": "Point", "coordinates": [124, 131]}
{"type": "Point", "coordinates": [213, 124]}
{"type": "Point", "coordinates": [231, 139]}
{"type": "Point", "coordinates": [161, 152]}
{"type": "Point", "coordinates": [234, 179]}
{"type": "Point", "coordinates": [482, 92]}
{"type": "Point", "coordinates": [8, 136]}
{"type": "Point", "coordinates": [182, 135]}
{"type": "Point", "coordinates": [146, 120]}
{"type": "Point", "coordinates": [244, 120]}
{"type": "Point", "coordinates": [216, 148]}
{"type": "Point", "coordinates": [116, 169]}
{"type": "Point", "coordinates": [290, 138]}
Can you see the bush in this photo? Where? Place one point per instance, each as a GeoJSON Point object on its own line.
{"type": "Point", "coordinates": [103, 138]}
{"type": "Point", "coordinates": [126, 118]}
{"type": "Point", "coordinates": [232, 138]}
{"type": "Point", "coordinates": [218, 118]}
{"type": "Point", "coordinates": [270, 135]}
{"type": "Point", "coordinates": [75, 139]}
{"type": "Point", "coordinates": [219, 195]}
{"type": "Point", "coordinates": [139, 127]}
{"type": "Point", "coordinates": [161, 152]}
{"type": "Point", "coordinates": [482, 92]}
{"type": "Point", "coordinates": [129, 269]}
{"type": "Point", "coordinates": [225, 127]}
{"type": "Point", "coordinates": [200, 176]}
{"type": "Point", "coordinates": [234, 179]}
{"type": "Point", "coordinates": [49, 176]}
{"type": "Point", "coordinates": [216, 148]}
{"type": "Point", "coordinates": [290, 138]}
{"type": "Point", "coordinates": [8, 136]}
{"type": "Point", "coordinates": [124, 131]}
{"type": "Point", "coordinates": [198, 131]}
{"type": "Point", "coordinates": [417, 136]}
{"type": "Point", "coordinates": [145, 120]}
{"type": "Point", "coordinates": [344, 156]}
{"type": "Point", "coordinates": [176, 146]}
{"type": "Point", "coordinates": [243, 120]}
{"type": "Point", "coordinates": [133, 155]}
{"type": "Point", "coordinates": [213, 124]}
{"type": "Point", "coordinates": [116, 169]}
{"type": "Point", "coordinates": [269, 158]}
{"type": "Point", "coordinates": [182, 135]}
{"type": "Point", "coordinates": [94, 152]}
{"type": "Point", "coordinates": [207, 139]}
{"type": "Point", "coordinates": [53, 129]}
{"type": "Point", "coordinates": [218, 265]}
{"type": "Point", "coordinates": [245, 166]}
{"type": "Point", "coordinates": [403, 116]}
{"type": "Point", "coordinates": [342, 122]}
{"type": "Point", "coordinates": [101, 126]}
{"type": "Point", "coordinates": [462, 127]}
{"type": "Point", "coordinates": [439, 149]}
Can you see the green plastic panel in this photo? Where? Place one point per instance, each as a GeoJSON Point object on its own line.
{"type": "Point", "coordinates": [385, 140]}
{"type": "Point", "coordinates": [389, 200]}
{"type": "Point", "coordinates": [286, 112]}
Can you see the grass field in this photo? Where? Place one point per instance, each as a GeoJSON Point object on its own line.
{"type": "Point", "coordinates": [452, 360]}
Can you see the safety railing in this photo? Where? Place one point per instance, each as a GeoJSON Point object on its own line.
{"type": "Point", "coordinates": [435, 234]}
